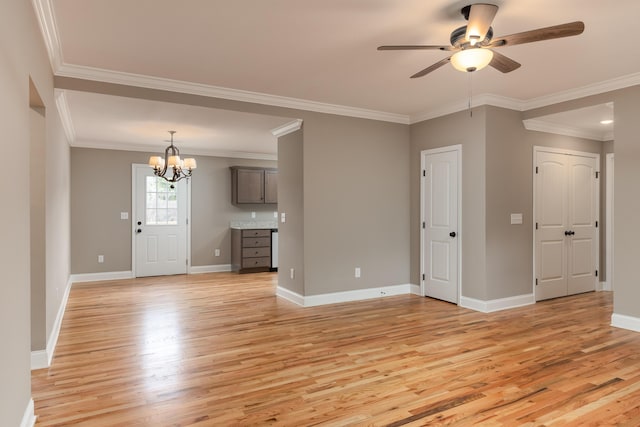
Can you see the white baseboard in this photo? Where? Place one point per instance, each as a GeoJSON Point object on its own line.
{"type": "Point", "coordinates": [625, 322]}
{"type": "Point", "coordinates": [290, 295]}
{"type": "Point", "coordinates": [497, 304]}
{"type": "Point", "coordinates": [29, 417]}
{"type": "Point", "coordinates": [603, 286]}
{"type": "Point", "coordinates": [98, 277]}
{"type": "Point", "coordinates": [415, 290]}
{"type": "Point", "coordinates": [198, 269]}
{"type": "Point", "coordinates": [42, 358]}
{"type": "Point", "coordinates": [347, 296]}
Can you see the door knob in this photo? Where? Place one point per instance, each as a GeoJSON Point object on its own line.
{"type": "Point", "coordinates": [452, 234]}
{"type": "Point", "coordinates": [566, 233]}
{"type": "Point", "coordinates": [139, 222]}
{"type": "Point", "coordinates": [139, 230]}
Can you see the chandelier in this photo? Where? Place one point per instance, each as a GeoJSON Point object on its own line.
{"type": "Point", "coordinates": [181, 168]}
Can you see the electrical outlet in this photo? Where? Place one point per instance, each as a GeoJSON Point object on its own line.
{"type": "Point", "coordinates": [100, 259]}
{"type": "Point", "coordinates": [275, 215]}
{"type": "Point", "coordinates": [216, 252]}
{"type": "Point", "coordinates": [357, 272]}
{"type": "Point", "coordinates": [292, 273]}
{"type": "Point", "coordinates": [283, 217]}
{"type": "Point", "coordinates": [124, 215]}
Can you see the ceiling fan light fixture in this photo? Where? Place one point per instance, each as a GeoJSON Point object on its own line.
{"type": "Point", "coordinates": [471, 59]}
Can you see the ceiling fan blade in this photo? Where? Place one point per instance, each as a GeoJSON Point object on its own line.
{"type": "Point", "coordinates": [503, 63]}
{"type": "Point", "coordinates": [480, 18]}
{"type": "Point", "coordinates": [548, 33]}
{"type": "Point", "coordinates": [431, 68]}
{"type": "Point", "coordinates": [415, 47]}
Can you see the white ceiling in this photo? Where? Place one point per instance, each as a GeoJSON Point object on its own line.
{"type": "Point", "coordinates": [321, 55]}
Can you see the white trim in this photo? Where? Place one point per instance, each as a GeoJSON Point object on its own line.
{"type": "Point", "coordinates": [415, 290]}
{"type": "Point", "coordinates": [39, 359]}
{"type": "Point", "coordinates": [491, 306]}
{"type": "Point", "coordinates": [625, 322]}
{"type": "Point", "coordinates": [49, 30]}
{"type": "Point", "coordinates": [99, 277]}
{"type": "Point", "coordinates": [609, 224]}
{"type": "Point", "coordinates": [584, 91]}
{"type": "Point", "coordinates": [199, 269]}
{"type": "Point", "coordinates": [423, 154]}
{"type": "Point", "coordinates": [65, 115]}
{"type": "Point", "coordinates": [287, 128]}
{"type": "Point", "coordinates": [29, 416]}
{"type": "Point", "coordinates": [291, 296]}
{"type": "Point", "coordinates": [478, 101]}
{"type": "Point", "coordinates": [106, 145]}
{"type": "Point", "coordinates": [558, 129]}
{"type": "Point", "coordinates": [160, 83]}
{"type": "Point", "coordinates": [346, 296]}
{"type": "Point", "coordinates": [604, 286]}
{"type": "Point", "coordinates": [42, 358]}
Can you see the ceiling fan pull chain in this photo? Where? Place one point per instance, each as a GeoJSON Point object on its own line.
{"type": "Point", "coordinates": [470, 93]}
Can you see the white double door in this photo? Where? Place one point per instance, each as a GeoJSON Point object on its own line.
{"type": "Point", "coordinates": [159, 224]}
{"type": "Point", "coordinates": [566, 219]}
{"type": "Point", "coordinates": [440, 223]}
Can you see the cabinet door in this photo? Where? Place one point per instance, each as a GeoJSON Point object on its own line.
{"type": "Point", "coordinates": [271, 186]}
{"type": "Point", "coordinates": [250, 186]}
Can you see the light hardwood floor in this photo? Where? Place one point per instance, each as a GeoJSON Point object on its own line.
{"type": "Point", "coordinates": [221, 350]}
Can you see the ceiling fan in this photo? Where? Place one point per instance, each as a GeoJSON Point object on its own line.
{"type": "Point", "coordinates": [473, 43]}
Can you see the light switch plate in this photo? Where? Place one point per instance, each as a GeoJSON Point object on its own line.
{"type": "Point", "coordinates": [283, 217]}
{"type": "Point", "coordinates": [516, 218]}
{"type": "Point", "coordinates": [124, 215]}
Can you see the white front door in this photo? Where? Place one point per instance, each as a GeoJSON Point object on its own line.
{"type": "Point", "coordinates": [160, 224]}
{"type": "Point", "coordinates": [566, 217]}
{"type": "Point", "coordinates": [440, 228]}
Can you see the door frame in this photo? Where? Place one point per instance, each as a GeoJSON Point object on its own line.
{"type": "Point", "coordinates": [596, 156]}
{"type": "Point", "coordinates": [423, 155]}
{"type": "Point", "coordinates": [609, 223]}
{"type": "Point", "coordinates": [134, 168]}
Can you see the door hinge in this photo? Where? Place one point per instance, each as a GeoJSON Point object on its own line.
{"type": "Point", "coordinates": [536, 225]}
{"type": "Point", "coordinates": [423, 277]}
{"type": "Point", "coordinates": [187, 221]}
{"type": "Point", "coordinates": [424, 172]}
{"type": "Point", "coordinates": [596, 273]}
{"type": "Point", "coordinates": [597, 174]}
{"type": "Point", "coordinates": [536, 169]}
{"type": "Point", "coordinates": [186, 262]}
{"type": "Point", "coordinates": [424, 225]}
{"type": "Point", "coordinates": [536, 281]}
{"type": "Point", "coordinates": [596, 224]}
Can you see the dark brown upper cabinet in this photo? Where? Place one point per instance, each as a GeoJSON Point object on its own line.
{"type": "Point", "coordinates": [252, 185]}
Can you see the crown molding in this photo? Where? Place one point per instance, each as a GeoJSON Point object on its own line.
{"type": "Point", "coordinates": [477, 101]}
{"type": "Point", "coordinates": [584, 91]}
{"type": "Point", "coordinates": [106, 145]}
{"type": "Point", "coordinates": [65, 115]}
{"type": "Point", "coordinates": [49, 30]}
{"type": "Point", "coordinates": [287, 128]}
{"type": "Point", "coordinates": [543, 126]}
{"type": "Point", "coordinates": [160, 83]}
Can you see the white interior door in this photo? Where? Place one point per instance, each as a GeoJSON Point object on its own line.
{"type": "Point", "coordinates": [583, 240]}
{"type": "Point", "coordinates": [440, 240]}
{"type": "Point", "coordinates": [566, 233]}
{"type": "Point", "coordinates": [160, 224]}
{"type": "Point", "coordinates": [551, 223]}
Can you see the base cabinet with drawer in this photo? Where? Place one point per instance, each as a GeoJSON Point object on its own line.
{"type": "Point", "coordinates": [250, 250]}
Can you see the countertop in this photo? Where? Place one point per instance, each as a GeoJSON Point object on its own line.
{"type": "Point", "coordinates": [249, 225]}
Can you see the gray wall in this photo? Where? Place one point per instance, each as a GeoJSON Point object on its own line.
{"type": "Point", "coordinates": [291, 202]}
{"type": "Point", "coordinates": [497, 180]}
{"type": "Point", "coordinates": [510, 190]}
{"type": "Point", "coordinates": [23, 57]}
{"type": "Point", "coordinates": [469, 131]}
{"type": "Point", "coordinates": [96, 203]}
{"type": "Point", "coordinates": [356, 191]}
